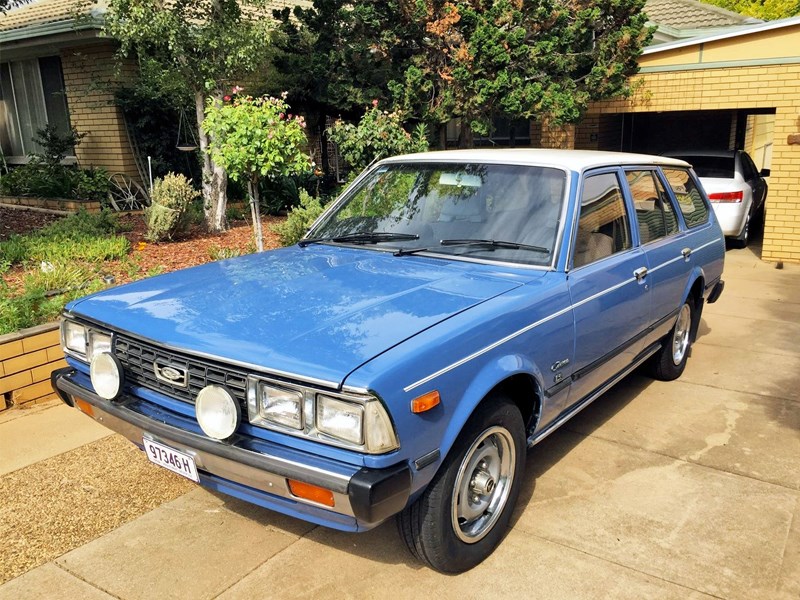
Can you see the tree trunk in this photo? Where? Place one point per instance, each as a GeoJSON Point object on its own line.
{"type": "Point", "coordinates": [215, 181]}
{"type": "Point", "coordinates": [255, 212]}
{"type": "Point", "coordinates": [465, 137]}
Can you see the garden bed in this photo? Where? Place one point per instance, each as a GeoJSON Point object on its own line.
{"type": "Point", "coordinates": [133, 258]}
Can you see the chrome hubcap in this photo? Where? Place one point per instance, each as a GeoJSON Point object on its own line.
{"type": "Point", "coordinates": [483, 484]}
{"type": "Point", "coordinates": [680, 336]}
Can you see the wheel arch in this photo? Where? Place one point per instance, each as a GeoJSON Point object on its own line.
{"type": "Point", "coordinates": [521, 385]}
{"type": "Point", "coordinates": [694, 293]}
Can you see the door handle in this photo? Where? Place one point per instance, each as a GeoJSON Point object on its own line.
{"type": "Point", "coordinates": [640, 273]}
{"type": "Point", "coordinates": [686, 252]}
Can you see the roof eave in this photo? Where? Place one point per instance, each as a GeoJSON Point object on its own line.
{"type": "Point", "coordinates": [39, 30]}
{"type": "Point", "coordinates": [725, 33]}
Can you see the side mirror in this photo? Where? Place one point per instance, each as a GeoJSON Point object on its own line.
{"type": "Point", "coordinates": [764, 172]}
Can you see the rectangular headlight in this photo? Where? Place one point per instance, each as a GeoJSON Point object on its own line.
{"type": "Point", "coordinates": [342, 420]}
{"type": "Point", "coordinates": [74, 336]}
{"type": "Point", "coordinates": [98, 342]}
{"type": "Point", "coordinates": [276, 405]}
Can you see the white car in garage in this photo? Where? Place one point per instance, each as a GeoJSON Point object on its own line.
{"type": "Point", "coordinates": [735, 186]}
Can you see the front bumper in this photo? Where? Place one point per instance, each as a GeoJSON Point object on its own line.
{"type": "Point", "coordinates": [363, 498]}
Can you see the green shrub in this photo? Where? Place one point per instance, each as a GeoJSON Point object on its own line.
{"type": "Point", "coordinates": [84, 223]}
{"type": "Point", "coordinates": [378, 134]}
{"type": "Point", "coordinates": [90, 184]}
{"type": "Point", "coordinates": [82, 236]}
{"type": "Point", "coordinates": [34, 306]}
{"type": "Point", "coordinates": [55, 181]}
{"type": "Point", "coordinates": [219, 253]}
{"type": "Point", "coordinates": [52, 277]}
{"type": "Point", "coordinates": [299, 220]}
{"type": "Point", "coordinates": [168, 214]}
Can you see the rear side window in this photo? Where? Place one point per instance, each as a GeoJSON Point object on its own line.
{"type": "Point", "coordinates": [690, 200]}
{"type": "Point", "coordinates": [654, 214]}
{"type": "Point", "coordinates": [603, 227]}
{"type": "Point", "coordinates": [712, 166]}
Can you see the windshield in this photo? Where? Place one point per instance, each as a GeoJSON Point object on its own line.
{"type": "Point", "coordinates": [489, 212]}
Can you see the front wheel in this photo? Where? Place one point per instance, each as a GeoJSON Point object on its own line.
{"type": "Point", "coordinates": [464, 513]}
{"type": "Point", "coordinates": [669, 362]}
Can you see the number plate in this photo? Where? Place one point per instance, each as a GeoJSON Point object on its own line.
{"type": "Point", "coordinates": [177, 462]}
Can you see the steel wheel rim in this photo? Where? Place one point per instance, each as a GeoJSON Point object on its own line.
{"type": "Point", "coordinates": [680, 336]}
{"type": "Point", "coordinates": [483, 484]}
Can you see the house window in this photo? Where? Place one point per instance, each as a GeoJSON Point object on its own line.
{"type": "Point", "coordinates": [31, 96]}
{"type": "Point", "coordinates": [505, 132]}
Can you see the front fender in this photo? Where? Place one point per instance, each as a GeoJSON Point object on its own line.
{"type": "Point", "coordinates": [491, 375]}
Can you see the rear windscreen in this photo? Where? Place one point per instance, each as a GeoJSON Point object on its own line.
{"type": "Point", "coordinates": [711, 166]}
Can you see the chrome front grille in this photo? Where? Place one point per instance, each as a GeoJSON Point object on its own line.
{"type": "Point", "coordinates": [138, 359]}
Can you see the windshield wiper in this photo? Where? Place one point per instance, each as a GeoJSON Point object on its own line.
{"type": "Point", "coordinates": [365, 237]}
{"type": "Point", "coordinates": [495, 244]}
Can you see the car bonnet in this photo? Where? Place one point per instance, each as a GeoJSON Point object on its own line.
{"type": "Point", "coordinates": [317, 313]}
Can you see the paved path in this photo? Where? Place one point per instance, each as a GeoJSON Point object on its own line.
{"type": "Point", "coordinates": [689, 489]}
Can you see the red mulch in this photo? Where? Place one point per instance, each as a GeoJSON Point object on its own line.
{"type": "Point", "coordinates": [193, 248]}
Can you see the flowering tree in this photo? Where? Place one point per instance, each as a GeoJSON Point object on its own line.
{"type": "Point", "coordinates": [378, 134]}
{"type": "Point", "coordinates": [200, 44]}
{"type": "Point", "coordinates": [253, 138]}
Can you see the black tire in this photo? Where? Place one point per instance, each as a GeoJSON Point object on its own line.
{"type": "Point", "coordinates": [743, 238]}
{"type": "Point", "coordinates": [440, 529]}
{"type": "Point", "coordinates": [669, 362]}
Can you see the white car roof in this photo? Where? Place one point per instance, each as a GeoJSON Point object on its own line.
{"type": "Point", "coordinates": [574, 160]}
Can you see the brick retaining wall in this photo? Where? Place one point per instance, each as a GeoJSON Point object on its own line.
{"type": "Point", "coordinates": [52, 205]}
{"type": "Point", "coordinates": [27, 358]}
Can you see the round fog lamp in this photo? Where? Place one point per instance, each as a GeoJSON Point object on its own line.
{"type": "Point", "coordinates": [106, 375]}
{"type": "Point", "coordinates": [218, 413]}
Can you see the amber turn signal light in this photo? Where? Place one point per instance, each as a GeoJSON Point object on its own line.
{"type": "Point", "coordinates": [425, 402]}
{"type": "Point", "coordinates": [311, 492]}
{"type": "Point", "coordinates": [84, 406]}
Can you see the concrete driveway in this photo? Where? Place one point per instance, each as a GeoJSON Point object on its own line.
{"type": "Point", "coordinates": [689, 489]}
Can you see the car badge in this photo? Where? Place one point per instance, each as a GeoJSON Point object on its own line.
{"type": "Point", "coordinates": [170, 374]}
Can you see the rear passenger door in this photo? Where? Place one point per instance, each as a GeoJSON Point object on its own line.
{"type": "Point", "coordinates": [663, 244]}
{"type": "Point", "coordinates": [610, 302]}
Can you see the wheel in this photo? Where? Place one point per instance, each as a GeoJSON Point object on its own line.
{"type": "Point", "coordinates": [669, 362]}
{"type": "Point", "coordinates": [126, 194]}
{"type": "Point", "coordinates": [741, 240]}
{"type": "Point", "coordinates": [464, 512]}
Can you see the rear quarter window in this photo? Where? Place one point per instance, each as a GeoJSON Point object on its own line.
{"type": "Point", "coordinates": [690, 200]}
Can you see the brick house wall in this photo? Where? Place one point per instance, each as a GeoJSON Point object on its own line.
{"type": "Point", "coordinates": [89, 81]}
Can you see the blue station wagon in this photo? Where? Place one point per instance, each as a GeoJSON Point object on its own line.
{"type": "Point", "coordinates": [446, 313]}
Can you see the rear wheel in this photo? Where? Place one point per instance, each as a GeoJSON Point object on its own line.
{"type": "Point", "coordinates": [669, 362]}
{"type": "Point", "coordinates": [744, 237]}
{"type": "Point", "coordinates": [464, 512]}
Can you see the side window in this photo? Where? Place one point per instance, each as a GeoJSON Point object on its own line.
{"type": "Point", "coordinates": [690, 200]}
{"type": "Point", "coordinates": [749, 171]}
{"type": "Point", "coordinates": [654, 214]}
{"type": "Point", "coordinates": [603, 227]}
